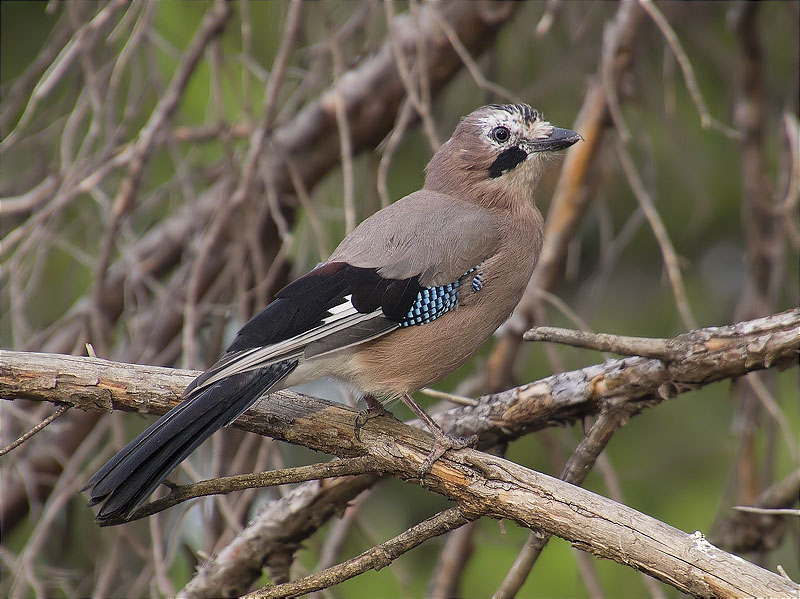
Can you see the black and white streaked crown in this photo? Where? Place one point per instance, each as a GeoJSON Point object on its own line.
{"type": "Point", "coordinates": [528, 114]}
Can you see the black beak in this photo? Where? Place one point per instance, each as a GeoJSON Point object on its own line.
{"type": "Point", "coordinates": [559, 139]}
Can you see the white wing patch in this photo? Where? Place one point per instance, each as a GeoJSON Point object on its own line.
{"type": "Point", "coordinates": [341, 311]}
{"type": "Point", "coordinates": [342, 316]}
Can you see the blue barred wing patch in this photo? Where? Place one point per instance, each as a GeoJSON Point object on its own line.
{"type": "Point", "coordinates": [432, 302]}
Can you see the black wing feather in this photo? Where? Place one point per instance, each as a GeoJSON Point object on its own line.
{"type": "Point", "coordinates": [303, 304]}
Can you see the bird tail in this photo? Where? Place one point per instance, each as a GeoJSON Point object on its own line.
{"type": "Point", "coordinates": [133, 474]}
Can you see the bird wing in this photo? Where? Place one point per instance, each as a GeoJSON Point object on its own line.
{"type": "Point", "coordinates": [411, 255]}
{"type": "Point", "coordinates": [426, 234]}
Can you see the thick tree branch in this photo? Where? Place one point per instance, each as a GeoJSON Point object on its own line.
{"type": "Point", "coordinates": [702, 357]}
{"type": "Point", "coordinates": [480, 483]}
{"type": "Point", "coordinates": [575, 471]}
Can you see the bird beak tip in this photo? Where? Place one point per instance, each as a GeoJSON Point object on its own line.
{"type": "Point", "coordinates": [559, 139]}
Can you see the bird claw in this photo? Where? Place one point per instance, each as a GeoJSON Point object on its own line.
{"type": "Point", "coordinates": [373, 410]}
{"type": "Point", "coordinates": [442, 443]}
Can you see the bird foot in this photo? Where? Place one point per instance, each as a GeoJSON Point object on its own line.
{"type": "Point", "coordinates": [373, 410]}
{"type": "Point", "coordinates": [442, 443]}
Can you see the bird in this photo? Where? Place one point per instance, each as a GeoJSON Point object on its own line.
{"type": "Point", "coordinates": [406, 298]}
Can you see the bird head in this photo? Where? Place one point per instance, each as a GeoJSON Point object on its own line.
{"type": "Point", "coordinates": [496, 154]}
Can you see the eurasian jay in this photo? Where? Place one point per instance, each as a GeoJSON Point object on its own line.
{"type": "Point", "coordinates": [405, 299]}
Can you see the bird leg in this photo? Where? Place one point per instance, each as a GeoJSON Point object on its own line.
{"type": "Point", "coordinates": [441, 440]}
{"type": "Point", "coordinates": [374, 408]}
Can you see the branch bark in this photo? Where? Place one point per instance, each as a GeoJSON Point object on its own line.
{"type": "Point", "coordinates": [483, 484]}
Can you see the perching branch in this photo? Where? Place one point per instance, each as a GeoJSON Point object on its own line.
{"type": "Point", "coordinates": [700, 357]}
{"type": "Point", "coordinates": [484, 484]}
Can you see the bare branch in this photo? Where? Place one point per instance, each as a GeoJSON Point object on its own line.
{"type": "Point", "coordinates": [579, 465]}
{"type": "Point", "coordinates": [373, 559]}
{"type": "Point", "coordinates": [706, 121]}
{"type": "Point", "coordinates": [718, 352]}
{"type": "Point", "coordinates": [58, 412]}
{"type": "Point", "coordinates": [240, 482]}
{"type": "Point", "coordinates": [618, 344]}
{"type": "Point", "coordinates": [660, 232]}
{"type": "Point", "coordinates": [213, 24]}
{"type": "Point", "coordinates": [757, 527]}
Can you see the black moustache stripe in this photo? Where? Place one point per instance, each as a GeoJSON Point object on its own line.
{"type": "Point", "coordinates": [507, 160]}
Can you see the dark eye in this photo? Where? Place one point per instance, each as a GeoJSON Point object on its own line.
{"type": "Point", "coordinates": [501, 134]}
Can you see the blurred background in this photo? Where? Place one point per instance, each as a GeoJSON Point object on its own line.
{"type": "Point", "coordinates": [166, 167]}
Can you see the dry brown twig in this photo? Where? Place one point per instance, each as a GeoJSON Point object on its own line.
{"type": "Point", "coordinates": [343, 126]}
{"type": "Point", "coordinates": [579, 465]}
{"type": "Point", "coordinates": [256, 480]}
{"type": "Point", "coordinates": [659, 230]}
{"type": "Point", "coordinates": [570, 199]}
{"type": "Point", "coordinates": [374, 558]}
{"type": "Point", "coordinates": [405, 74]}
{"type": "Point", "coordinates": [59, 411]}
{"type": "Point", "coordinates": [706, 120]}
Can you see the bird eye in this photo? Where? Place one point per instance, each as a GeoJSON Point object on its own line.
{"type": "Point", "coordinates": [501, 134]}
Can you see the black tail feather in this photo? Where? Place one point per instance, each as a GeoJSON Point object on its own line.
{"type": "Point", "coordinates": [128, 478]}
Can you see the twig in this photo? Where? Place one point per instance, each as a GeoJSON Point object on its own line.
{"type": "Point", "coordinates": [758, 531]}
{"type": "Point", "coordinates": [791, 131]}
{"type": "Point", "coordinates": [452, 561]}
{"type": "Point", "coordinates": [404, 117]}
{"type": "Point", "coordinates": [374, 558]}
{"type": "Point", "coordinates": [475, 71]}
{"type": "Point", "coordinates": [300, 190]}
{"type": "Point", "coordinates": [64, 489]}
{"type": "Point", "coordinates": [604, 342]}
{"type": "Point", "coordinates": [404, 72]}
{"type": "Point", "coordinates": [784, 511]}
{"type": "Point", "coordinates": [162, 580]}
{"type": "Point", "coordinates": [328, 554]}
{"type": "Point", "coordinates": [212, 25]}
{"type": "Point", "coordinates": [611, 480]}
{"type": "Point", "coordinates": [660, 232]}
{"type": "Point", "coordinates": [775, 411]}
{"type": "Point", "coordinates": [611, 68]}
{"type": "Point", "coordinates": [249, 169]}
{"type": "Point", "coordinates": [58, 412]}
{"type": "Point", "coordinates": [764, 250]}
{"type": "Point", "coordinates": [571, 198]}
{"type": "Point", "coordinates": [30, 200]}
{"type": "Point", "coordinates": [59, 67]}
{"type": "Point", "coordinates": [229, 484]}
{"type": "Point", "coordinates": [343, 126]}
{"type": "Point", "coordinates": [457, 399]}
{"type": "Point", "coordinates": [278, 528]}
{"type": "Point", "coordinates": [706, 121]}
{"type": "Point", "coordinates": [551, 10]}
